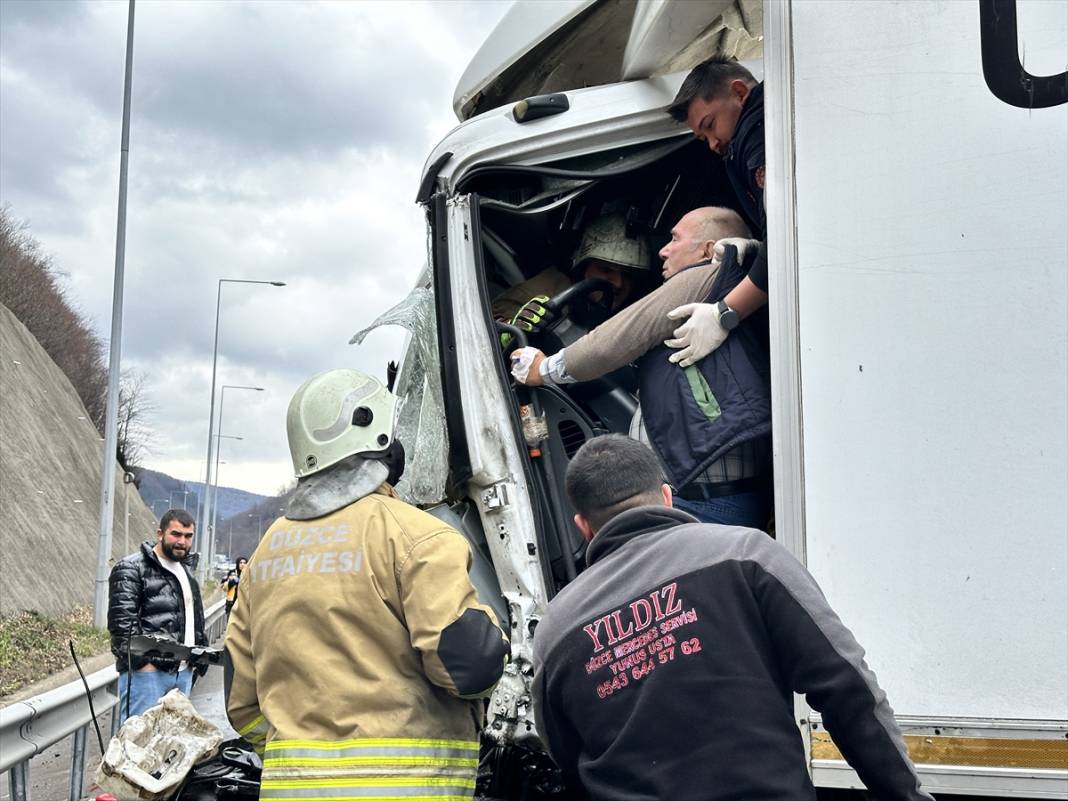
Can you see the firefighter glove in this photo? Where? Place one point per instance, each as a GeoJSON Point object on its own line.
{"type": "Point", "coordinates": [533, 315]}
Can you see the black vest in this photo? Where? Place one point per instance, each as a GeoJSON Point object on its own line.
{"type": "Point", "coordinates": [696, 414]}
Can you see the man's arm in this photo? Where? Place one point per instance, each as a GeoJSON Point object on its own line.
{"type": "Point", "coordinates": [820, 658]}
{"type": "Point", "coordinates": [701, 332]}
{"type": "Point", "coordinates": [124, 609]}
{"type": "Point", "coordinates": [635, 330]}
{"type": "Point", "coordinates": [462, 648]}
{"type": "Point", "coordinates": [746, 297]}
{"type": "Point", "coordinates": [548, 282]}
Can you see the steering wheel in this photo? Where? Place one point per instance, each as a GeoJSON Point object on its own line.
{"type": "Point", "coordinates": [564, 329]}
{"type": "Point", "coordinates": [561, 330]}
{"type": "Point", "coordinates": [581, 289]}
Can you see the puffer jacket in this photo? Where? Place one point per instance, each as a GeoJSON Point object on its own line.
{"type": "Point", "coordinates": [145, 598]}
{"type": "Point", "coordinates": [355, 652]}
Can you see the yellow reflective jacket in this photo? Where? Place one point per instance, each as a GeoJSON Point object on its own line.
{"type": "Point", "coordinates": [355, 646]}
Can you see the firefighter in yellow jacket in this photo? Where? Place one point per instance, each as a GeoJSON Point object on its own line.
{"type": "Point", "coordinates": [357, 647]}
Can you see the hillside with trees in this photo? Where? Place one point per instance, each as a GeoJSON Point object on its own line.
{"type": "Point", "coordinates": [52, 409]}
{"type": "Point", "coordinates": [50, 463]}
{"type": "Point", "coordinates": [161, 491]}
{"type": "Point", "coordinates": [31, 288]}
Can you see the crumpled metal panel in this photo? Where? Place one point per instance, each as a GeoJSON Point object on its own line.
{"type": "Point", "coordinates": [421, 415]}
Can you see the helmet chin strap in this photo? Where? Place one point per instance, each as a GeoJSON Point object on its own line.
{"type": "Point", "coordinates": [393, 458]}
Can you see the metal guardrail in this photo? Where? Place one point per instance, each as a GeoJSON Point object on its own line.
{"type": "Point", "coordinates": [27, 728]}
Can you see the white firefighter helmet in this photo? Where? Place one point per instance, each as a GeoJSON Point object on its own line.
{"type": "Point", "coordinates": [605, 239]}
{"type": "Point", "coordinates": [337, 414]}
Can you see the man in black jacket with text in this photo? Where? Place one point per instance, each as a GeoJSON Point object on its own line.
{"type": "Point", "coordinates": [666, 669]}
{"type": "Point", "coordinates": [154, 592]}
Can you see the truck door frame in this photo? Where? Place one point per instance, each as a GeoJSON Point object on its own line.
{"type": "Point", "coordinates": [783, 314]}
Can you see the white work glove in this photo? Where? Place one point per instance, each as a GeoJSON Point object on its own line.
{"type": "Point", "coordinates": [698, 336]}
{"type": "Point", "coordinates": [741, 243]}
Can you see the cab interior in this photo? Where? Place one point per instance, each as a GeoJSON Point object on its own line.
{"type": "Point", "coordinates": [531, 218]}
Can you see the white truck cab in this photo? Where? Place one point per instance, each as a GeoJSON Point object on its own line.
{"type": "Point", "coordinates": [917, 193]}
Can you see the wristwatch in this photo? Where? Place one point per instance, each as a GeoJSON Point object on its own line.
{"type": "Point", "coordinates": [728, 317]}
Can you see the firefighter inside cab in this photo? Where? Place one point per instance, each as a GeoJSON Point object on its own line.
{"type": "Point", "coordinates": [358, 650]}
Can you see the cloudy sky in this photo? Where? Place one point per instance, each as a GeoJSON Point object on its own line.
{"type": "Point", "coordinates": [270, 140]}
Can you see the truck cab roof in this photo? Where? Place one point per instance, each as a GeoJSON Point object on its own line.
{"type": "Point", "coordinates": [540, 48]}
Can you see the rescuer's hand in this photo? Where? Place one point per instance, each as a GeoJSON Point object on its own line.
{"type": "Point", "coordinates": [745, 246]}
{"type": "Point", "coordinates": [526, 366]}
{"type": "Point", "coordinates": [533, 315]}
{"type": "Point", "coordinates": [698, 336]}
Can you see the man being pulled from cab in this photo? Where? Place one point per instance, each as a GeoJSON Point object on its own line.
{"type": "Point", "coordinates": [709, 423]}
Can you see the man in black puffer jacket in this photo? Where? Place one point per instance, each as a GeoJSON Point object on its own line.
{"type": "Point", "coordinates": [154, 592]}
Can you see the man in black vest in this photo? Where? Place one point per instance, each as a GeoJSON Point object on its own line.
{"type": "Point", "coordinates": [709, 423]}
{"type": "Point", "coordinates": [723, 104]}
{"type": "Point", "coordinates": [666, 669]}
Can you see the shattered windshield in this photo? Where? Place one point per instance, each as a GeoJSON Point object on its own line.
{"type": "Point", "coordinates": [421, 419]}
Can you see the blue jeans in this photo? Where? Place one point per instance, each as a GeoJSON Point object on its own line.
{"type": "Point", "coordinates": [148, 687]}
{"type": "Point", "coordinates": [746, 509]}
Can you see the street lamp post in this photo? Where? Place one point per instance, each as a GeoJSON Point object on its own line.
{"type": "Point", "coordinates": [215, 488]}
{"type": "Point", "coordinates": [205, 509]}
{"type": "Point", "coordinates": [111, 413]}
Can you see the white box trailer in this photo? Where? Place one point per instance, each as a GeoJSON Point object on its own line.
{"type": "Point", "coordinates": [917, 196]}
{"type": "Point", "coordinates": [921, 433]}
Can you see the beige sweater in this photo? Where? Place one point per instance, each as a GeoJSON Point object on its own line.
{"type": "Point", "coordinates": [638, 328]}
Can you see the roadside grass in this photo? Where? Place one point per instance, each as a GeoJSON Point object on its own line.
{"type": "Point", "coordinates": [34, 646]}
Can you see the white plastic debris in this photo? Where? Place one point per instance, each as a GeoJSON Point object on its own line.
{"type": "Point", "coordinates": [154, 751]}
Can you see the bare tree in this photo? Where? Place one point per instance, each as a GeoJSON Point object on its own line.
{"type": "Point", "coordinates": [134, 435]}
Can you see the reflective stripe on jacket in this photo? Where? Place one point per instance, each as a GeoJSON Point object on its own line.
{"type": "Point", "coordinates": [354, 647]}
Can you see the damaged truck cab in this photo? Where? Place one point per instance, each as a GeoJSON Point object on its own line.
{"type": "Point", "coordinates": [932, 512]}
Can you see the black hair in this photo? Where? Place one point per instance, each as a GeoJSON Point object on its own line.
{"type": "Point", "coordinates": [610, 474]}
{"type": "Point", "coordinates": [708, 80]}
{"type": "Point", "coordinates": [171, 515]}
